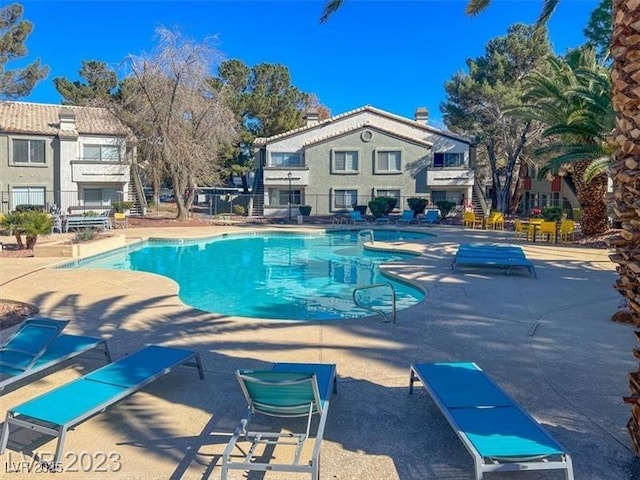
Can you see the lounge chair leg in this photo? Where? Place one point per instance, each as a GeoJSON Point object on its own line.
{"type": "Point", "coordinates": [5, 435]}
{"type": "Point", "coordinates": [61, 438]}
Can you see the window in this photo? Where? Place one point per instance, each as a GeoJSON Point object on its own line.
{"type": "Point", "coordinates": [100, 197]}
{"type": "Point", "coordinates": [380, 192]}
{"type": "Point", "coordinates": [285, 159]}
{"type": "Point", "coordinates": [345, 161]}
{"type": "Point", "coordinates": [101, 153]}
{"type": "Point", "coordinates": [28, 151]}
{"type": "Point", "coordinates": [447, 160]}
{"type": "Point", "coordinates": [279, 198]}
{"type": "Point", "coordinates": [27, 196]}
{"type": "Point", "coordinates": [388, 161]}
{"type": "Point", "coordinates": [344, 198]}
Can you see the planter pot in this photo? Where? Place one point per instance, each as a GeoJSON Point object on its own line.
{"type": "Point", "coordinates": [305, 210]}
{"type": "Point", "coordinates": [67, 249]}
{"type": "Point", "coordinates": [361, 208]}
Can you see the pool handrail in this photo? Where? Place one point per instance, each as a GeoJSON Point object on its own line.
{"type": "Point", "coordinates": [375, 310]}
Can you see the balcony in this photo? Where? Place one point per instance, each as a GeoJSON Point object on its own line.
{"type": "Point", "coordinates": [86, 171]}
{"type": "Point", "coordinates": [278, 176]}
{"type": "Point", "coordinates": [450, 177]}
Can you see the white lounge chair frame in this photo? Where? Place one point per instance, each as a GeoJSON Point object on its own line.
{"type": "Point", "coordinates": [256, 438]}
{"type": "Point", "coordinates": [483, 464]}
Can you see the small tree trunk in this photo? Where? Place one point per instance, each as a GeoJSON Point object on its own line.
{"type": "Point", "coordinates": [19, 241]}
{"type": "Point", "coordinates": [31, 241]}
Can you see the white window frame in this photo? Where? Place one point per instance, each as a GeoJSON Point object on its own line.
{"type": "Point", "coordinates": [344, 151]}
{"type": "Point", "coordinates": [396, 193]}
{"type": "Point", "coordinates": [279, 197]}
{"type": "Point", "coordinates": [387, 151]}
{"type": "Point", "coordinates": [447, 159]}
{"type": "Point", "coordinates": [30, 192]}
{"type": "Point", "coordinates": [287, 162]}
{"type": "Point", "coordinates": [341, 193]}
{"type": "Point", "coordinates": [30, 142]}
{"type": "Point", "coordinates": [102, 156]}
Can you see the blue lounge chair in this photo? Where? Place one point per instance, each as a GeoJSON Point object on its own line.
{"type": "Point", "coordinates": [407, 217]}
{"type": "Point", "coordinates": [55, 412]}
{"type": "Point", "coordinates": [356, 218]}
{"type": "Point", "coordinates": [37, 346]}
{"type": "Point", "coordinates": [499, 256]}
{"type": "Point", "coordinates": [287, 390]}
{"type": "Point", "coordinates": [497, 432]}
{"type": "Point", "coordinates": [430, 217]}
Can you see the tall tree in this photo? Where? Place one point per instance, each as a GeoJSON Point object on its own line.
{"type": "Point", "coordinates": [478, 101]}
{"type": "Point", "coordinates": [182, 121]}
{"type": "Point", "coordinates": [99, 83]}
{"type": "Point", "coordinates": [264, 102]}
{"type": "Point", "coordinates": [598, 30]}
{"type": "Point", "coordinates": [18, 82]}
{"type": "Point", "coordinates": [625, 170]}
{"type": "Point", "coordinates": [572, 99]}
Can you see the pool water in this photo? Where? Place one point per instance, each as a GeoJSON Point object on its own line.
{"type": "Point", "coordinates": [277, 276]}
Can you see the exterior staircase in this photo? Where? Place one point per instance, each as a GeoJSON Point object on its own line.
{"type": "Point", "coordinates": [136, 192]}
{"type": "Point", "coordinates": [480, 206]}
{"type": "Point", "coordinates": [257, 197]}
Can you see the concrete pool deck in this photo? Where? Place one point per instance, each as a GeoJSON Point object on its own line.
{"type": "Point", "coordinates": [548, 341]}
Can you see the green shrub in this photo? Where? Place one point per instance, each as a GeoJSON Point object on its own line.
{"type": "Point", "coordinates": [552, 214]}
{"type": "Point", "coordinates": [445, 206]}
{"type": "Point", "coordinates": [417, 204]}
{"type": "Point", "coordinates": [29, 208]}
{"type": "Point", "coordinates": [379, 206]}
{"type": "Point", "coordinates": [90, 213]}
{"type": "Point", "coordinates": [121, 207]}
{"type": "Point", "coordinates": [305, 210]}
{"type": "Point", "coordinates": [238, 210]}
{"type": "Point", "coordinates": [85, 234]}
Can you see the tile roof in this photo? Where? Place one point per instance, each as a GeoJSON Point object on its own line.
{"type": "Point", "coordinates": [429, 128]}
{"type": "Point", "coordinates": [44, 119]}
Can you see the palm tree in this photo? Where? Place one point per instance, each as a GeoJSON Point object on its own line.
{"type": "Point", "coordinates": [12, 223]}
{"type": "Point", "coordinates": [572, 97]}
{"type": "Point", "coordinates": [625, 169]}
{"type": "Point", "coordinates": [30, 223]}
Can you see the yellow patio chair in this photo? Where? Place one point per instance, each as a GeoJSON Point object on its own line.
{"type": "Point", "coordinates": [567, 228]}
{"type": "Point", "coordinates": [471, 220]}
{"type": "Point", "coordinates": [521, 228]}
{"type": "Point", "coordinates": [547, 230]}
{"type": "Point", "coordinates": [496, 221]}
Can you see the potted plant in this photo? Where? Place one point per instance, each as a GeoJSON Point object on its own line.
{"type": "Point", "coordinates": [305, 210]}
{"type": "Point", "coordinates": [121, 207]}
{"type": "Point", "coordinates": [361, 208]}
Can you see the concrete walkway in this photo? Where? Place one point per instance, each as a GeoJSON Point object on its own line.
{"type": "Point", "coordinates": [548, 341]}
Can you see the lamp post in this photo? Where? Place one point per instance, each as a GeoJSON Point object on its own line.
{"type": "Point", "coordinates": [289, 178]}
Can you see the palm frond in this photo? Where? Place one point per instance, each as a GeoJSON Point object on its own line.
{"type": "Point", "coordinates": [548, 7]}
{"type": "Point", "coordinates": [329, 9]}
{"type": "Point", "coordinates": [474, 7]}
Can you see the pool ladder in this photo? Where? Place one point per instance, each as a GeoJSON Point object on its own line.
{"type": "Point", "coordinates": [384, 316]}
{"type": "Point", "coordinates": [362, 233]}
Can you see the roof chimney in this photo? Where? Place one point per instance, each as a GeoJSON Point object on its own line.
{"type": "Point", "coordinates": [311, 116]}
{"type": "Point", "coordinates": [67, 119]}
{"type": "Point", "coordinates": [422, 115]}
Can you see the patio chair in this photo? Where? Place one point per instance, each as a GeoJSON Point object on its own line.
{"type": "Point", "coordinates": [356, 217]}
{"type": "Point", "coordinates": [430, 217]}
{"type": "Point", "coordinates": [521, 229]}
{"type": "Point", "coordinates": [55, 412]}
{"type": "Point", "coordinates": [547, 231]}
{"type": "Point", "coordinates": [567, 229]}
{"type": "Point", "coordinates": [495, 221]}
{"type": "Point", "coordinates": [22, 349]}
{"type": "Point", "coordinates": [121, 220]}
{"type": "Point", "coordinates": [505, 257]}
{"type": "Point", "coordinates": [407, 217]}
{"type": "Point", "coordinates": [499, 434]}
{"type": "Point", "coordinates": [471, 220]}
{"type": "Point", "coordinates": [287, 390]}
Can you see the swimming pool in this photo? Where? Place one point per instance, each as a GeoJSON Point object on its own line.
{"type": "Point", "coordinates": [277, 276]}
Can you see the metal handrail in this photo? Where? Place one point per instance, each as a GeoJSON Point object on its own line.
{"type": "Point", "coordinates": [366, 232]}
{"type": "Point", "coordinates": [379, 312]}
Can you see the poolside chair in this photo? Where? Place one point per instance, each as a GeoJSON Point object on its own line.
{"type": "Point", "coordinates": [498, 433]}
{"type": "Point", "coordinates": [430, 217]}
{"type": "Point", "coordinates": [121, 220]}
{"type": "Point", "coordinates": [505, 257]}
{"type": "Point", "coordinates": [495, 221]}
{"type": "Point", "coordinates": [521, 228]}
{"type": "Point", "coordinates": [547, 231]}
{"type": "Point", "coordinates": [407, 217]}
{"type": "Point", "coordinates": [471, 220]}
{"type": "Point", "coordinates": [62, 408]}
{"type": "Point", "coordinates": [287, 390]}
{"type": "Point", "coordinates": [567, 229]}
{"type": "Point", "coordinates": [22, 349]}
{"type": "Point", "coordinates": [356, 217]}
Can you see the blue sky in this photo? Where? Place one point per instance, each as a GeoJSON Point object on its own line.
{"type": "Point", "coordinates": [394, 55]}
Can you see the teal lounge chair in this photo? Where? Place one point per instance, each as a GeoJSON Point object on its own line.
{"type": "Point", "coordinates": [37, 346]}
{"type": "Point", "coordinates": [505, 257]}
{"type": "Point", "coordinates": [407, 217]}
{"type": "Point", "coordinates": [430, 217]}
{"type": "Point", "coordinates": [497, 432]}
{"type": "Point", "coordinates": [356, 218]}
{"type": "Point", "coordinates": [287, 390]}
{"type": "Point", "coordinates": [55, 412]}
